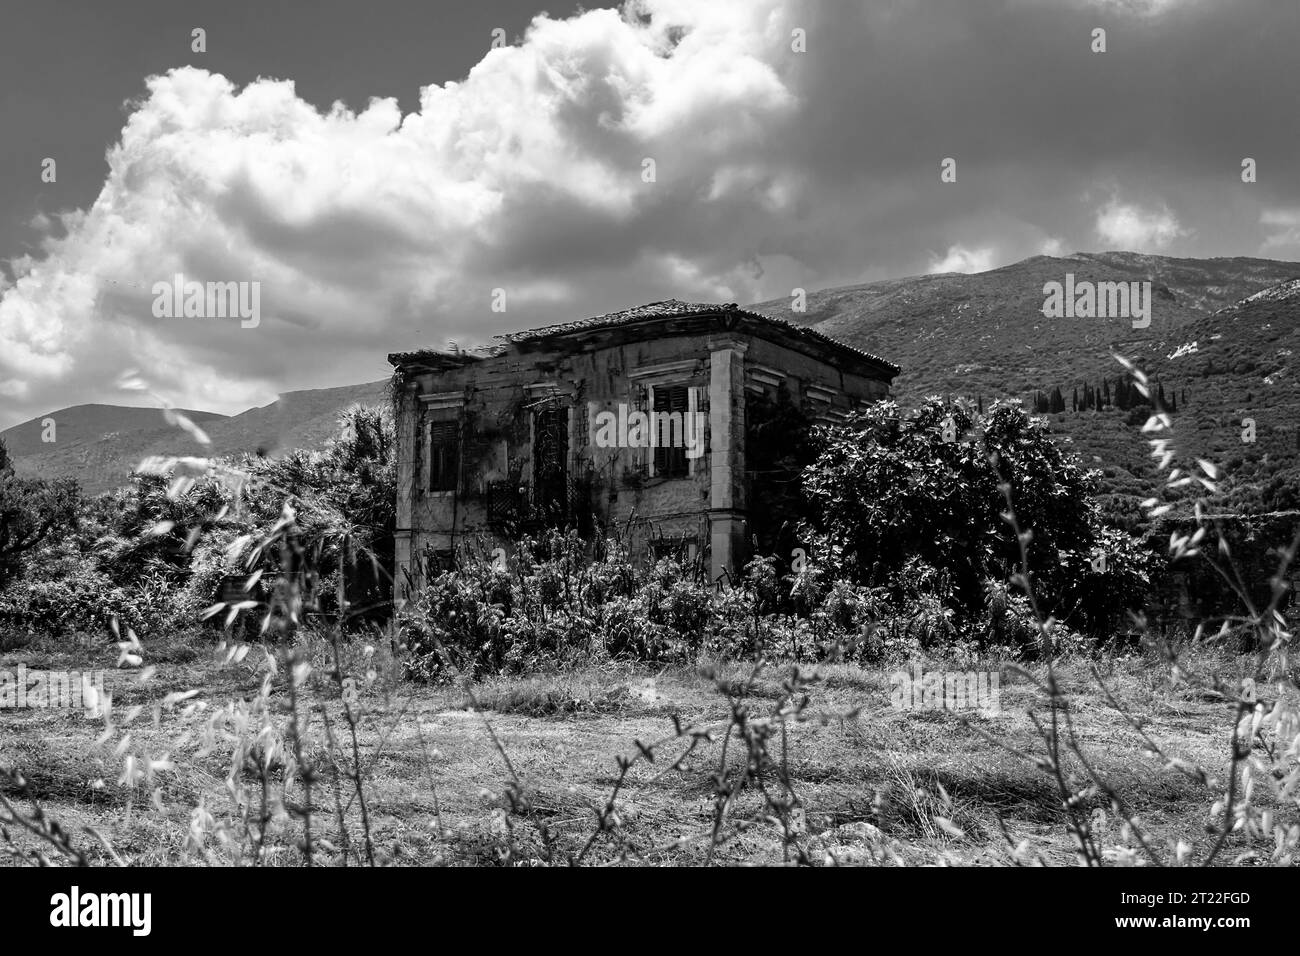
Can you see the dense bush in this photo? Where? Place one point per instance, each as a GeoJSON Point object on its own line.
{"type": "Point", "coordinates": [895, 496]}
{"type": "Point", "coordinates": [555, 606]}
{"type": "Point", "coordinates": [155, 555]}
{"type": "Point", "coordinates": [85, 601]}
{"type": "Point", "coordinates": [32, 512]}
{"type": "Point", "coordinates": [558, 606]}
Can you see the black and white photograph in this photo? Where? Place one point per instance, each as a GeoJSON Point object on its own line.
{"type": "Point", "coordinates": [677, 435]}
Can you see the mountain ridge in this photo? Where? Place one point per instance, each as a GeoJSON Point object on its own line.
{"type": "Point", "coordinates": [1220, 333]}
{"type": "Point", "coordinates": [103, 460]}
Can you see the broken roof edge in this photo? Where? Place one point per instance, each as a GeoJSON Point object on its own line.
{"type": "Point", "coordinates": [442, 358]}
{"type": "Point", "coordinates": [638, 316]}
{"type": "Point", "coordinates": [827, 341]}
{"type": "Point", "coordinates": [675, 309]}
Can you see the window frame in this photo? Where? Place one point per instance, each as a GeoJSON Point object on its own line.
{"type": "Point", "coordinates": [456, 442]}
{"type": "Point", "coordinates": [653, 468]}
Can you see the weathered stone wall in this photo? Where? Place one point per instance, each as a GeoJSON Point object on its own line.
{"type": "Point", "coordinates": [799, 371]}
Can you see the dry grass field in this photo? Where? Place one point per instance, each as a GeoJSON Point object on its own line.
{"type": "Point", "coordinates": [519, 771]}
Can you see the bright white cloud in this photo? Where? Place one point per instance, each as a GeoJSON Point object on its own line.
{"type": "Point", "coordinates": [1133, 228]}
{"type": "Point", "coordinates": [362, 225]}
{"type": "Point", "coordinates": [962, 259]}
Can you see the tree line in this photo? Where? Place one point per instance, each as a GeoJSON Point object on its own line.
{"type": "Point", "coordinates": [1121, 393]}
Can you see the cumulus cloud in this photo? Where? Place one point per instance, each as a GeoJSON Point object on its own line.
{"type": "Point", "coordinates": [1133, 228]}
{"type": "Point", "coordinates": [962, 259]}
{"type": "Point", "coordinates": [372, 230]}
{"type": "Point", "coordinates": [362, 225]}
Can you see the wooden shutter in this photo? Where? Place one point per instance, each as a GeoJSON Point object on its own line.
{"type": "Point", "coordinates": [444, 455]}
{"type": "Point", "coordinates": [670, 459]}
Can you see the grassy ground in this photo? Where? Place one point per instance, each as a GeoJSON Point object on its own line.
{"type": "Point", "coordinates": [870, 779]}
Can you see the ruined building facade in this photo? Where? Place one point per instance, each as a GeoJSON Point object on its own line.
{"type": "Point", "coordinates": [634, 420]}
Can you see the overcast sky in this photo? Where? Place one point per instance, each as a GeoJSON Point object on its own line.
{"type": "Point", "coordinates": [381, 170]}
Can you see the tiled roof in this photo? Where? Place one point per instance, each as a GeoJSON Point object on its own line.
{"type": "Point", "coordinates": [674, 308]}
{"type": "Point", "coordinates": [668, 309]}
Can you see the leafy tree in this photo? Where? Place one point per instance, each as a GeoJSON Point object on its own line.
{"type": "Point", "coordinates": [31, 512]}
{"type": "Point", "coordinates": [1122, 395]}
{"type": "Point", "coordinates": [888, 489]}
{"type": "Point", "coordinates": [338, 504]}
{"type": "Point", "coordinates": [343, 500]}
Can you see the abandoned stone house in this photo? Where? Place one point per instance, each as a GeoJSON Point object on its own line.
{"type": "Point", "coordinates": [634, 420]}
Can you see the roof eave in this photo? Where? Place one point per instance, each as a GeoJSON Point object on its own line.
{"type": "Point", "coordinates": [434, 361]}
{"type": "Point", "coordinates": [529, 340]}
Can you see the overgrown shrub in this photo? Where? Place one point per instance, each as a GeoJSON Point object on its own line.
{"type": "Point", "coordinates": [558, 606]}
{"type": "Point", "coordinates": [32, 512]}
{"type": "Point", "coordinates": [86, 601]}
{"type": "Point", "coordinates": [893, 494]}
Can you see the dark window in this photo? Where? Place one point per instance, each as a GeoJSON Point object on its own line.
{"type": "Point", "coordinates": [438, 560]}
{"type": "Point", "coordinates": [444, 456]}
{"type": "Point", "coordinates": [681, 549]}
{"type": "Point", "coordinates": [551, 461]}
{"type": "Point", "coordinates": [670, 452]}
